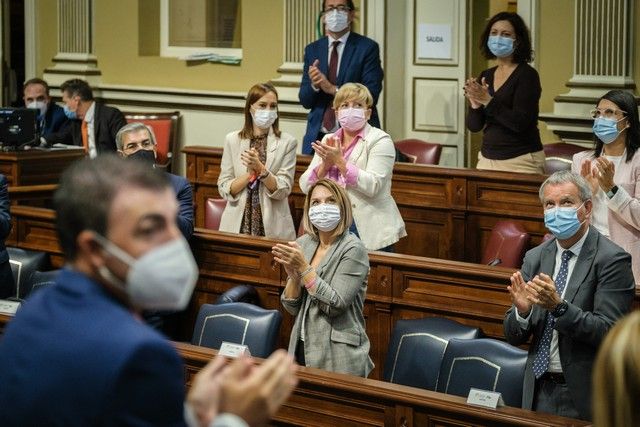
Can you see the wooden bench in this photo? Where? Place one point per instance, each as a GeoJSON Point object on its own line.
{"type": "Point", "coordinates": [329, 399]}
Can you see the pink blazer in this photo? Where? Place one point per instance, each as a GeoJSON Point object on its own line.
{"type": "Point", "coordinates": [624, 207]}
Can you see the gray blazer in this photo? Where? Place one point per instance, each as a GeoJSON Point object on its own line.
{"type": "Point", "coordinates": [335, 335]}
{"type": "Point", "coordinates": [600, 291]}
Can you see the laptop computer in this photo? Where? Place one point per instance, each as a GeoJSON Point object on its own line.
{"type": "Point", "coordinates": [18, 128]}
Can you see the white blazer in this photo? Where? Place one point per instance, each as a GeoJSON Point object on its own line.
{"type": "Point", "coordinates": [375, 212]}
{"type": "Point", "coordinates": [281, 162]}
{"type": "Point", "coordinates": [624, 208]}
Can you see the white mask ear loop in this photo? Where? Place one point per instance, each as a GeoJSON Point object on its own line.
{"type": "Point", "coordinates": [116, 252]}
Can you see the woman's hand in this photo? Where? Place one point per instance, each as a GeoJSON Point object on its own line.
{"type": "Point", "coordinates": [605, 171]}
{"type": "Point", "coordinates": [587, 172]}
{"type": "Point", "coordinates": [251, 159]}
{"type": "Point", "coordinates": [330, 151]}
{"type": "Point", "coordinates": [477, 93]}
{"type": "Point", "coordinates": [291, 257]}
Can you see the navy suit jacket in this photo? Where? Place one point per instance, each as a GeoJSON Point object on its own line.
{"type": "Point", "coordinates": [107, 123]}
{"type": "Point", "coordinates": [74, 356]}
{"type": "Point", "coordinates": [599, 292]}
{"type": "Point", "coordinates": [54, 120]}
{"type": "Point", "coordinates": [184, 195]}
{"type": "Point", "coordinates": [360, 63]}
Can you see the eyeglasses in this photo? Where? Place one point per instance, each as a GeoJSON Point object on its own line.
{"type": "Point", "coordinates": [145, 145]}
{"type": "Point", "coordinates": [339, 8]}
{"type": "Point", "coordinates": [607, 113]}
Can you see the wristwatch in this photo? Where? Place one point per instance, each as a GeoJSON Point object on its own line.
{"type": "Point", "coordinates": [560, 309]}
{"type": "Point", "coordinates": [612, 192]}
{"type": "Point", "coordinates": [264, 174]}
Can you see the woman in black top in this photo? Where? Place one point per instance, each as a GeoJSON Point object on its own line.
{"type": "Point", "coordinates": [504, 99]}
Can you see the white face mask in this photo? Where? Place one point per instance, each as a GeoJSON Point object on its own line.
{"type": "Point", "coordinates": [336, 21]}
{"type": "Point", "coordinates": [325, 216]}
{"type": "Point", "coordinates": [264, 118]}
{"type": "Point", "coordinates": [161, 279]}
{"type": "Point", "coordinates": [38, 105]}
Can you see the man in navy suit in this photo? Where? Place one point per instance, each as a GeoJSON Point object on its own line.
{"type": "Point", "coordinates": [137, 141]}
{"type": "Point", "coordinates": [51, 117]}
{"type": "Point", "coordinates": [357, 61]}
{"type": "Point", "coordinates": [77, 354]}
{"type": "Point", "coordinates": [92, 125]}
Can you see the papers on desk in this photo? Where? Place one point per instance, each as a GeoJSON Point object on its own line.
{"type": "Point", "coordinates": [59, 146]}
{"type": "Point", "coordinates": [9, 307]}
{"type": "Point", "coordinates": [212, 57]}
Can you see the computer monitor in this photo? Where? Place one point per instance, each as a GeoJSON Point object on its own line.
{"type": "Point", "coordinates": [18, 127]}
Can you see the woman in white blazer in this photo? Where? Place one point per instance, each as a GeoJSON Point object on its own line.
{"type": "Point", "coordinates": [613, 171]}
{"type": "Point", "coordinates": [360, 158]}
{"type": "Point", "coordinates": [257, 168]}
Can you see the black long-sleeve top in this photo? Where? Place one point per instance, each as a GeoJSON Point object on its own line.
{"type": "Point", "coordinates": [510, 120]}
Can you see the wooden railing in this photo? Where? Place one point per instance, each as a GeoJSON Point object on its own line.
{"type": "Point", "coordinates": [328, 399]}
{"type": "Point", "coordinates": [448, 212]}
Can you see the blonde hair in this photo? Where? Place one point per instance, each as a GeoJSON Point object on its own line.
{"type": "Point", "coordinates": [353, 92]}
{"type": "Point", "coordinates": [616, 377]}
{"type": "Point", "coordinates": [342, 198]}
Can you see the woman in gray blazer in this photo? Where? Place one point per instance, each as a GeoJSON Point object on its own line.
{"type": "Point", "coordinates": [256, 172]}
{"type": "Point", "coordinates": [327, 272]}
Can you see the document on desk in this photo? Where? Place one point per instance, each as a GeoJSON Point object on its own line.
{"type": "Point", "coordinates": [59, 146]}
{"type": "Point", "coordinates": [9, 307]}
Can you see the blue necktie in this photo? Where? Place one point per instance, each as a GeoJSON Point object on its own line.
{"type": "Point", "coordinates": [541, 362]}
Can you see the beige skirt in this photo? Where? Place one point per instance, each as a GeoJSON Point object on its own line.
{"type": "Point", "coordinates": [526, 163]}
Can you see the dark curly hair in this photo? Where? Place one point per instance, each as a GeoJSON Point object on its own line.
{"type": "Point", "coordinates": [522, 52]}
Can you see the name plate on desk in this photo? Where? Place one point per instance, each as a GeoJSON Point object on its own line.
{"type": "Point", "coordinates": [489, 399]}
{"type": "Point", "coordinates": [230, 349]}
{"type": "Point", "coordinates": [9, 307]}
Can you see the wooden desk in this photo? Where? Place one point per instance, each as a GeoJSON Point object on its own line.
{"type": "Point", "coordinates": [35, 167]}
{"type": "Point", "coordinates": [399, 287]}
{"type": "Point", "coordinates": [328, 399]}
{"type": "Point", "coordinates": [448, 212]}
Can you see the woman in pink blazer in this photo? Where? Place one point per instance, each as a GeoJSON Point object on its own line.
{"type": "Point", "coordinates": [613, 170]}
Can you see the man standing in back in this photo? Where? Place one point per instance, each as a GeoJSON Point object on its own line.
{"type": "Point", "coordinates": [341, 57]}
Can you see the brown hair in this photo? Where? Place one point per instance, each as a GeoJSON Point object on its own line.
{"type": "Point", "coordinates": [341, 196]}
{"type": "Point", "coordinates": [616, 376]}
{"type": "Point", "coordinates": [256, 92]}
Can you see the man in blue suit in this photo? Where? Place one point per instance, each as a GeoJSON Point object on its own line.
{"type": "Point", "coordinates": [137, 141]}
{"type": "Point", "coordinates": [51, 117]}
{"type": "Point", "coordinates": [77, 354]}
{"type": "Point", "coordinates": [341, 57]}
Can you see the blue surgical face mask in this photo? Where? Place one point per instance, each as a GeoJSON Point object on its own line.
{"type": "Point", "coordinates": [70, 114]}
{"type": "Point", "coordinates": [500, 46]}
{"type": "Point", "coordinates": [562, 222]}
{"type": "Point", "coordinates": [606, 129]}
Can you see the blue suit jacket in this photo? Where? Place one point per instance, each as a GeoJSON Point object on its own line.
{"type": "Point", "coordinates": [184, 194]}
{"type": "Point", "coordinates": [54, 120]}
{"type": "Point", "coordinates": [74, 356]}
{"type": "Point", "coordinates": [360, 63]}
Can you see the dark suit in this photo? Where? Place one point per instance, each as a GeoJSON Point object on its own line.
{"type": "Point", "coordinates": [600, 291]}
{"type": "Point", "coordinates": [107, 123]}
{"type": "Point", "coordinates": [54, 120]}
{"type": "Point", "coordinates": [7, 285]}
{"type": "Point", "coordinates": [74, 356]}
{"type": "Point", "coordinates": [184, 195]}
{"type": "Point", "coordinates": [360, 63]}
